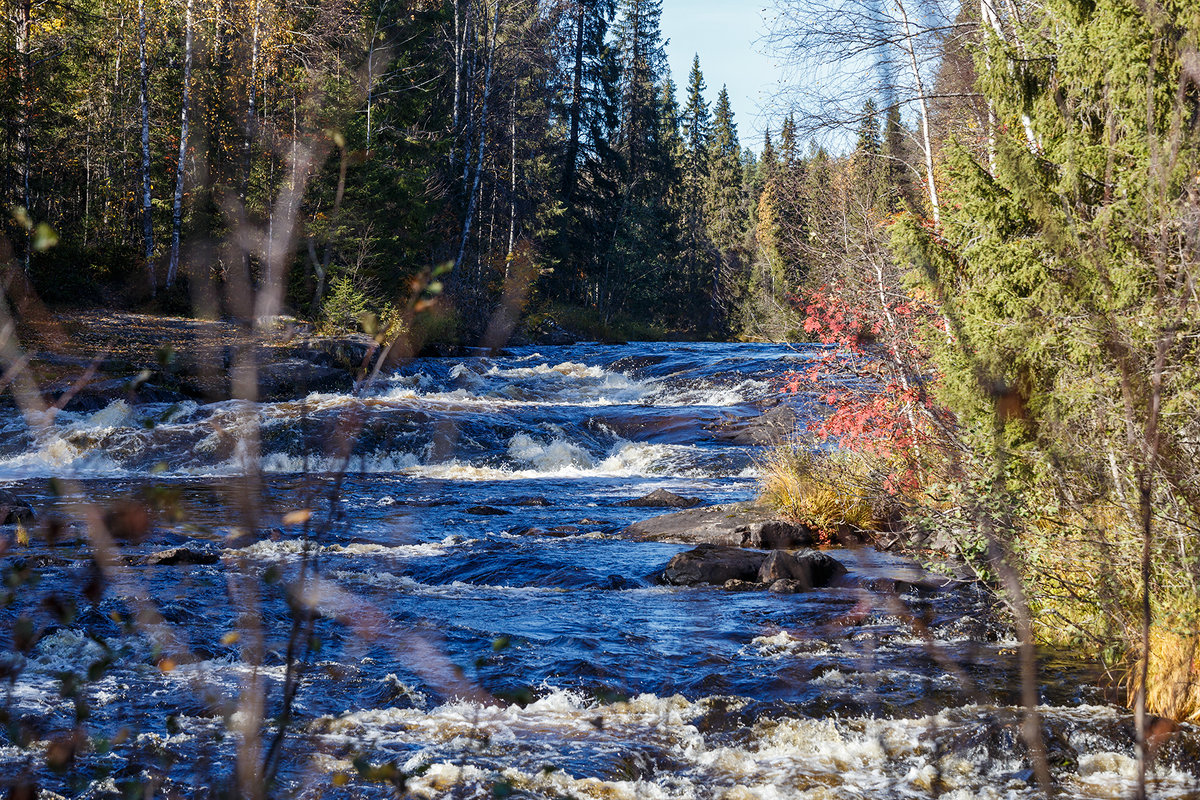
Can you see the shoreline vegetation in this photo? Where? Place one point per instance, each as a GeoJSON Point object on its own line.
{"type": "Point", "coordinates": [995, 239]}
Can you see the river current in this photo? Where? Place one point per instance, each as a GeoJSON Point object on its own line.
{"type": "Point", "coordinates": [484, 630]}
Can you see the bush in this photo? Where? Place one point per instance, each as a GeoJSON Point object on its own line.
{"type": "Point", "coordinates": [344, 308]}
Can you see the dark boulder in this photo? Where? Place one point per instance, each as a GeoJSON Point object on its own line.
{"type": "Point", "coordinates": [13, 509]}
{"type": "Point", "coordinates": [94, 396]}
{"type": "Point", "coordinates": [487, 511]}
{"type": "Point", "coordinates": [550, 332]}
{"type": "Point", "coordinates": [713, 564]}
{"type": "Point", "coordinates": [294, 378]}
{"type": "Point", "coordinates": [178, 556]}
{"type": "Point", "coordinates": [810, 568]}
{"type": "Point", "coordinates": [777, 534]}
{"type": "Point", "coordinates": [779, 565]}
{"type": "Point", "coordinates": [661, 498]}
{"type": "Point", "coordinates": [351, 352]}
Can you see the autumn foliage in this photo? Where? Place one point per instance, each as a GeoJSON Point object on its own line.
{"type": "Point", "coordinates": [876, 379]}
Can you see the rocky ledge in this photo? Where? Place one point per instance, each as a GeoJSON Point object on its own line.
{"type": "Point", "coordinates": [745, 546]}
{"type": "Point", "coordinates": [730, 525]}
{"type": "Point", "coordinates": [92, 359]}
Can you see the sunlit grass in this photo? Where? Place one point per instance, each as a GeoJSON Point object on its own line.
{"type": "Point", "coordinates": [826, 492]}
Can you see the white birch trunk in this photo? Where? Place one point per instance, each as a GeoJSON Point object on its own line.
{"type": "Point", "coordinates": [923, 105]}
{"type": "Point", "coordinates": [23, 45]}
{"type": "Point", "coordinates": [473, 204]}
{"type": "Point", "coordinates": [512, 187]}
{"type": "Point", "coordinates": [177, 208]}
{"type": "Point", "coordinates": [147, 217]}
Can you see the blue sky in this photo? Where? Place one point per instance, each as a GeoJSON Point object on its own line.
{"type": "Point", "coordinates": [725, 33]}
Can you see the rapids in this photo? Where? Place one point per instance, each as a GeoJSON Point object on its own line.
{"type": "Point", "coordinates": [483, 629]}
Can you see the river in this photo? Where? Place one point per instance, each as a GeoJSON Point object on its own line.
{"type": "Point", "coordinates": [483, 629]}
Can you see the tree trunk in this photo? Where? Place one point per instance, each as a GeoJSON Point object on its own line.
{"type": "Point", "coordinates": [177, 210]}
{"type": "Point", "coordinates": [487, 90]}
{"type": "Point", "coordinates": [512, 188]}
{"type": "Point", "coordinates": [371, 76]}
{"type": "Point", "coordinates": [923, 105]}
{"type": "Point", "coordinates": [251, 99]}
{"type": "Point", "coordinates": [23, 44]}
{"type": "Point", "coordinates": [147, 217]}
{"type": "Point", "coordinates": [458, 68]}
{"type": "Point", "coordinates": [568, 181]}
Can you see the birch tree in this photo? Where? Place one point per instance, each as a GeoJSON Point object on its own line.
{"type": "Point", "coordinates": [144, 102]}
{"type": "Point", "coordinates": [841, 53]}
{"type": "Point", "coordinates": [177, 208]}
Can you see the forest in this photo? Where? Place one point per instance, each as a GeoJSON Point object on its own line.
{"type": "Point", "coordinates": [532, 144]}
{"type": "Point", "coordinates": [975, 225]}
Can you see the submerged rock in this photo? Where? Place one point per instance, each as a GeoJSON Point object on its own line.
{"type": "Point", "coordinates": [283, 380]}
{"type": "Point", "coordinates": [771, 427]}
{"type": "Point", "coordinates": [487, 511]}
{"type": "Point", "coordinates": [741, 586]}
{"type": "Point", "coordinates": [13, 509]}
{"type": "Point", "coordinates": [177, 556]}
{"type": "Point", "coordinates": [525, 500]}
{"type": "Point", "coordinates": [94, 396]}
{"type": "Point", "coordinates": [733, 525]}
{"type": "Point", "coordinates": [661, 498]}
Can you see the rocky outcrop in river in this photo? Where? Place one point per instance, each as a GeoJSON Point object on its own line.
{"type": "Point", "coordinates": [722, 565]}
{"type": "Point", "coordinates": [733, 525]}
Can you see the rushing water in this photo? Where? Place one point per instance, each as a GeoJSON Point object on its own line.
{"type": "Point", "coordinates": [525, 653]}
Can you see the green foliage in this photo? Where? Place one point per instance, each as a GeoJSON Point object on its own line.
{"type": "Point", "coordinates": [345, 307]}
{"type": "Point", "coordinates": [1064, 270]}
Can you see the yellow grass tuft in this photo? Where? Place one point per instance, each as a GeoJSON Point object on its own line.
{"type": "Point", "coordinates": [826, 492]}
{"type": "Point", "coordinates": [1173, 680]}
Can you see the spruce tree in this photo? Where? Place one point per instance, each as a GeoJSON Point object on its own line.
{"type": "Point", "coordinates": [768, 163]}
{"type": "Point", "coordinates": [697, 250]}
{"type": "Point", "coordinates": [866, 171]}
{"type": "Point", "coordinates": [789, 151]}
{"type": "Point", "coordinates": [898, 176]}
{"type": "Point", "coordinates": [727, 219]}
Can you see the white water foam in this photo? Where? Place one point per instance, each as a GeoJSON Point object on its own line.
{"type": "Point", "coordinates": [775, 758]}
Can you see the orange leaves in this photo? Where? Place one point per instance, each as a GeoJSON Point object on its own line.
{"type": "Point", "coordinates": [875, 378]}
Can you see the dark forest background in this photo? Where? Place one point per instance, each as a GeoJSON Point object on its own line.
{"type": "Point", "coordinates": [532, 155]}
